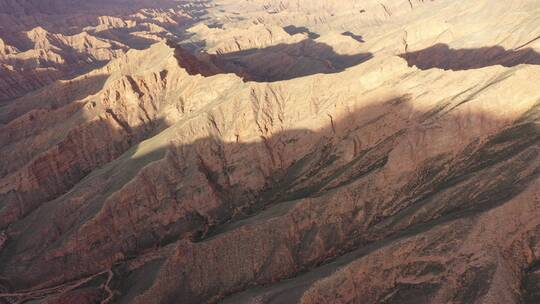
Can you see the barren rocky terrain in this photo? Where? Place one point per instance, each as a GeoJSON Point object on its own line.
{"type": "Point", "coordinates": [269, 151]}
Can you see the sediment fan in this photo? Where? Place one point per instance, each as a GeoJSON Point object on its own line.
{"type": "Point", "coordinates": [268, 151]}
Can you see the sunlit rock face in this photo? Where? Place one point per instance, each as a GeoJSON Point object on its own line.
{"type": "Point", "coordinates": [229, 151]}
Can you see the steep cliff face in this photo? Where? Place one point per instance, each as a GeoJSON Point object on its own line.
{"type": "Point", "coordinates": [281, 152]}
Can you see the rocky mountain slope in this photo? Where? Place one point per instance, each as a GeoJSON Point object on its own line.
{"type": "Point", "coordinates": [272, 152]}
{"type": "Point", "coordinates": [43, 41]}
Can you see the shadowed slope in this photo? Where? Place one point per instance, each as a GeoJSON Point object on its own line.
{"type": "Point", "coordinates": [442, 57]}
{"type": "Point", "coordinates": [300, 194]}
{"type": "Point", "coordinates": [358, 38]}
{"type": "Point", "coordinates": [274, 63]}
{"type": "Point", "coordinates": [292, 30]}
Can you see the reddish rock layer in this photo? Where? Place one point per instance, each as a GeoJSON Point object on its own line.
{"type": "Point", "coordinates": [253, 163]}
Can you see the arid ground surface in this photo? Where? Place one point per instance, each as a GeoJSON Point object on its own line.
{"type": "Point", "coordinates": [269, 151]}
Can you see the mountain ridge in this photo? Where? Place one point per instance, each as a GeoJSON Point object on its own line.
{"type": "Point", "coordinates": [296, 152]}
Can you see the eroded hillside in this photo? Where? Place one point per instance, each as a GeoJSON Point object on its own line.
{"type": "Point", "coordinates": [274, 152]}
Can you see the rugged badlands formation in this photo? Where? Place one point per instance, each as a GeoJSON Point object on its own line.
{"type": "Point", "coordinates": [45, 40]}
{"type": "Point", "coordinates": [261, 151]}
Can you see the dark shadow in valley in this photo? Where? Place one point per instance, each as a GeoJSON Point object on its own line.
{"type": "Point", "coordinates": [293, 30]}
{"type": "Point", "coordinates": [530, 288]}
{"type": "Point", "coordinates": [358, 38]}
{"type": "Point", "coordinates": [443, 57]}
{"type": "Point", "coordinates": [127, 37]}
{"type": "Point", "coordinates": [215, 25]}
{"type": "Point", "coordinates": [273, 63]}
